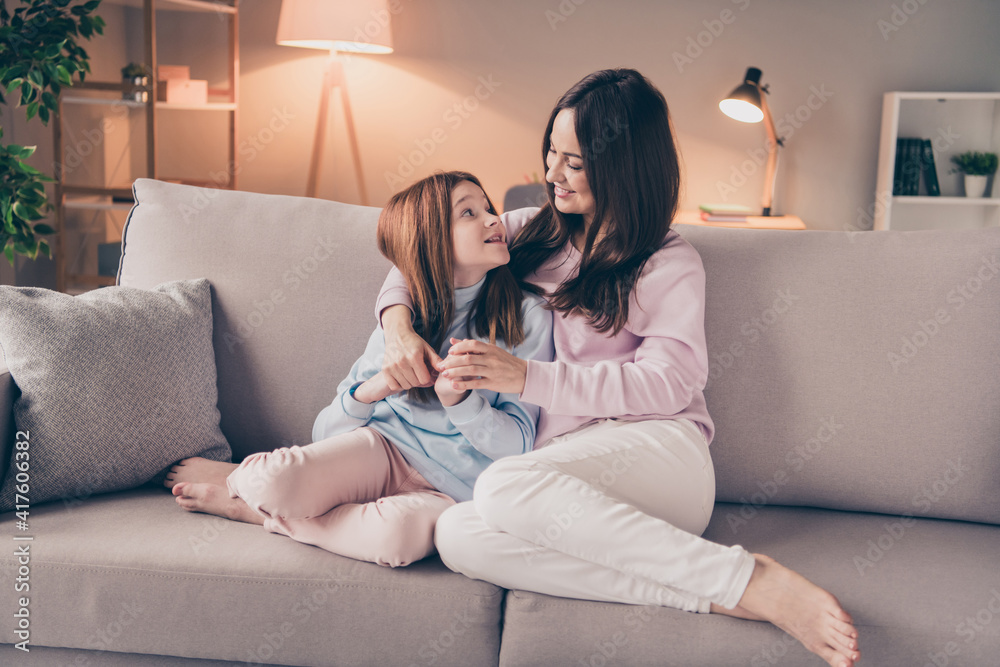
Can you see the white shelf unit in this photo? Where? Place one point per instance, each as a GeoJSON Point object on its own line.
{"type": "Point", "coordinates": [94, 177]}
{"type": "Point", "coordinates": [955, 123]}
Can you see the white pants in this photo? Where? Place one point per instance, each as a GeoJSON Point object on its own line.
{"type": "Point", "coordinates": [611, 511]}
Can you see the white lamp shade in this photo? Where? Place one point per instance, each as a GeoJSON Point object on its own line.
{"type": "Point", "coordinates": [359, 26]}
{"type": "Point", "coordinates": [741, 110]}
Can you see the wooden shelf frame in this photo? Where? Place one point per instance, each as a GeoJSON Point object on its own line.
{"type": "Point", "coordinates": [68, 196]}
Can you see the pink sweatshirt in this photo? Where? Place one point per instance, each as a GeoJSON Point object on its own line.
{"type": "Point", "coordinates": [655, 368]}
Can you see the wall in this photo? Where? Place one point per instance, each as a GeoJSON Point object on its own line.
{"type": "Point", "coordinates": [471, 83]}
{"type": "Point", "coordinates": [828, 64]}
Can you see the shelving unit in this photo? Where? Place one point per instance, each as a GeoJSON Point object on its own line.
{"type": "Point", "coordinates": [955, 123]}
{"type": "Point", "coordinates": [94, 174]}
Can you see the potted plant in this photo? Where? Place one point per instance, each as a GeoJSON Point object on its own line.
{"type": "Point", "coordinates": [39, 55]}
{"type": "Point", "coordinates": [135, 81]}
{"type": "Point", "coordinates": [977, 168]}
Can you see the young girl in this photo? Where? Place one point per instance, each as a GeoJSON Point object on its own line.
{"type": "Point", "coordinates": [384, 466]}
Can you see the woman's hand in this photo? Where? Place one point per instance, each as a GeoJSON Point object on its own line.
{"type": "Point", "coordinates": [473, 364]}
{"type": "Point", "coordinates": [409, 361]}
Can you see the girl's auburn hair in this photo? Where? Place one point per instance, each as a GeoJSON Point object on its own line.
{"type": "Point", "coordinates": [414, 233]}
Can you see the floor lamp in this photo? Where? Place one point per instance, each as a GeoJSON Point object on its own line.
{"type": "Point", "coordinates": [748, 104]}
{"type": "Point", "coordinates": [353, 26]}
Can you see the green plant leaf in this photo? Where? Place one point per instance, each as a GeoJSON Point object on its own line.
{"type": "Point", "coordinates": [8, 251]}
{"type": "Point", "coordinates": [53, 50]}
{"type": "Point", "coordinates": [20, 152]}
{"type": "Point", "coordinates": [26, 168]}
{"type": "Point", "coordinates": [21, 211]}
{"type": "Point", "coordinates": [42, 228]}
{"type": "Point", "coordinates": [64, 76]}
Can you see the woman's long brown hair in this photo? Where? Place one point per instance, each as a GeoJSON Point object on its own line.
{"type": "Point", "coordinates": [414, 233]}
{"type": "Point", "coordinates": [633, 170]}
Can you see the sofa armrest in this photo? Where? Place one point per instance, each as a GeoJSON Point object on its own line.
{"type": "Point", "coordinates": [8, 392]}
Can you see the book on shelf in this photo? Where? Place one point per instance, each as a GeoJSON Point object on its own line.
{"type": "Point", "coordinates": [914, 157]}
{"type": "Point", "coordinates": [727, 209]}
{"type": "Point", "coordinates": [907, 168]}
{"type": "Point", "coordinates": [897, 170]}
{"type": "Point", "coordinates": [711, 217]}
{"type": "Point", "coordinates": [929, 169]}
{"type": "Point", "coordinates": [726, 212]}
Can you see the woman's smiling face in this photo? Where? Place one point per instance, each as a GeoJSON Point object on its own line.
{"type": "Point", "coordinates": [565, 169]}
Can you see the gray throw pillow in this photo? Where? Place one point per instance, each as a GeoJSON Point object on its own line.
{"type": "Point", "coordinates": [116, 385]}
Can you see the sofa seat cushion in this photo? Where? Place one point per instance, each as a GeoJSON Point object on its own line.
{"type": "Point", "coordinates": [919, 590]}
{"type": "Point", "coordinates": [132, 572]}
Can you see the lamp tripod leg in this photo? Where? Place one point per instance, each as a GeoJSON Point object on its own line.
{"type": "Point", "coordinates": [319, 138]}
{"type": "Point", "coordinates": [333, 77]}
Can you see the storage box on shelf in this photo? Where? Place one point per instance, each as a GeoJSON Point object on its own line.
{"type": "Point", "coordinates": [954, 123]}
{"type": "Point", "coordinates": [103, 142]}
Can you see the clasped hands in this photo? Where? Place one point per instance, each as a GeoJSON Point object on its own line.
{"type": "Point", "coordinates": [473, 364]}
{"type": "Point", "coordinates": [469, 364]}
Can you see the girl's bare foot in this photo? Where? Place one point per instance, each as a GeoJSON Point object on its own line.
{"type": "Point", "coordinates": [197, 469]}
{"type": "Point", "coordinates": [800, 608]}
{"type": "Point", "coordinates": [214, 499]}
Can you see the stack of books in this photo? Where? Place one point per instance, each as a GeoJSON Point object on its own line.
{"type": "Point", "coordinates": [914, 157]}
{"type": "Point", "coordinates": [726, 212]}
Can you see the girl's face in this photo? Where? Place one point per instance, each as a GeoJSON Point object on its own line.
{"type": "Point", "coordinates": [479, 239]}
{"type": "Point", "coordinates": [565, 169]}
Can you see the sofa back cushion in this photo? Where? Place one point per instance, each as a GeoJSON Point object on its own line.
{"type": "Point", "coordinates": [855, 371]}
{"type": "Point", "coordinates": [294, 284]}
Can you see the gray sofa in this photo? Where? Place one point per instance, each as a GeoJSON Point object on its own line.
{"type": "Point", "coordinates": [855, 385]}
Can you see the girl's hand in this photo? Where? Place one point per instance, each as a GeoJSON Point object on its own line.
{"type": "Point", "coordinates": [473, 364]}
{"type": "Point", "coordinates": [409, 361]}
{"type": "Point", "coordinates": [374, 389]}
{"type": "Point", "coordinates": [446, 393]}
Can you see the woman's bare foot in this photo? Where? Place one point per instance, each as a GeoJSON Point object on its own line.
{"type": "Point", "coordinates": [214, 499]}
{"type": "Point", "coordinates": [800, 608]}
{"type": "Point", "coordinates": [197, 469]}
{"type": "Point", "coordinates": [737, 611]}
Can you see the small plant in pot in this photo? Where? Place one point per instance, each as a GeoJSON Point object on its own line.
{"type": "Point", "coordinates": [977, 167]}
{"type": "Point", "coordinates": [135, 77]}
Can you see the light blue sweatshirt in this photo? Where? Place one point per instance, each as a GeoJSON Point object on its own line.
{"type": "Point", "coordinates": [449, 446]}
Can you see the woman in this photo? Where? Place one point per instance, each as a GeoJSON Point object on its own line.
{"type": "Point", "coordinates": [383, 467]}
{"type": "Point", "coordinates": [610, 503]}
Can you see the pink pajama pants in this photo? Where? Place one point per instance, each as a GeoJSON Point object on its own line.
{"type": "Point", "coordinates": [353, 494]}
